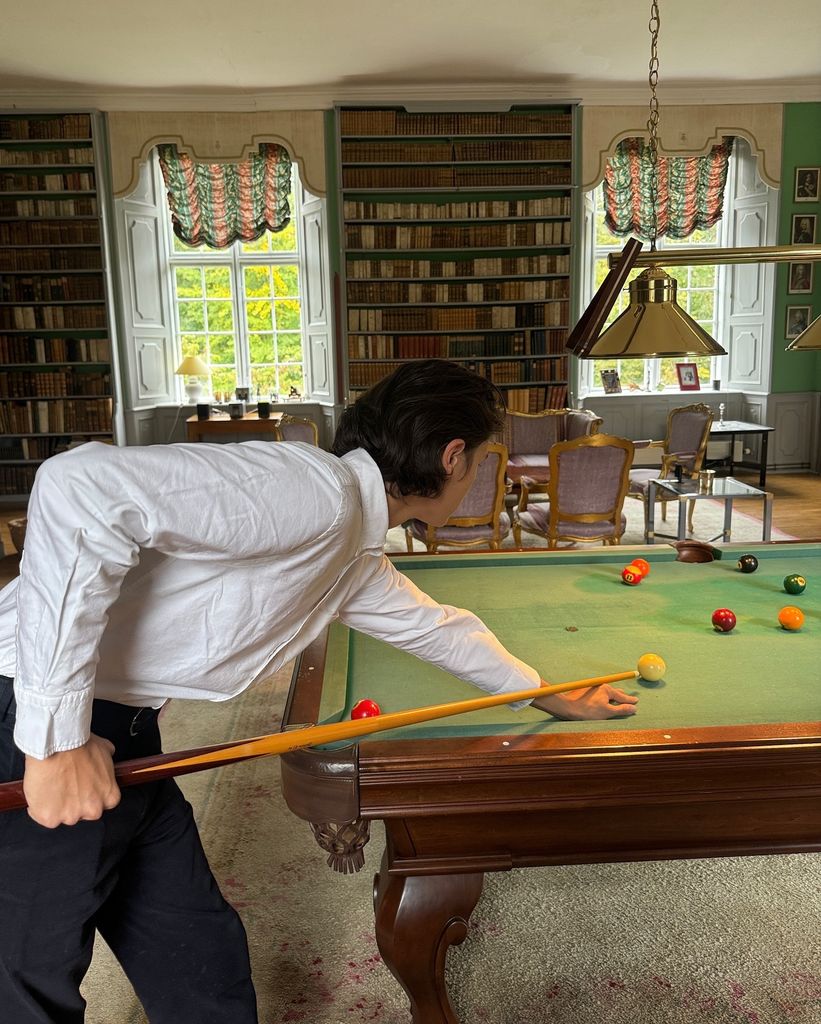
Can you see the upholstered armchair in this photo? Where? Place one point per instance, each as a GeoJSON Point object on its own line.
{"type": "Point", "coordinates": [684, 448]}
{"type": "Point", "coordinates": [295, 428]}
{"type": "Point", "coordinates": [529, 437]}
{"type": "Point", "coordinates": [586, 490]}
{"type": "Point", "coordinates": [480, 519]}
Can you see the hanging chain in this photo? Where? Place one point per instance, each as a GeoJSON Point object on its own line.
{"type": "Point", "coordinates": [653, 120]}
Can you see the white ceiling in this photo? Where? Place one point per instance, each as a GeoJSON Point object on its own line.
{"type": "Point", "coordinates": [711, 50]}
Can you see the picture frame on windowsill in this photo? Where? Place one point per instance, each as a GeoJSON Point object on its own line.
{"type": "Point", "coordinates": [688, 379]}
{"type": "Point", "coordinates": [611, 382]}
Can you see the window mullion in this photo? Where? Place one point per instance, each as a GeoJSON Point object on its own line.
{"type": "Point", "coordinates": [241, 345]}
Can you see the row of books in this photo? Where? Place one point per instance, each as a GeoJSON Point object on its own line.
{"type": "Point", "coordinates": [64, 126]}
{"type": "Point", "coordinates": [458, 152]}
{"type": "Point", "coordinates": [456, 176]}
{"type": "Point", "coordinates": [50, 259]}
{"type": "Point", "coordinates": [54, 350]}
{"type": "Point", "coordinates": [32, 448]}
{"type": "Point", "coordinates": [548, 206]}
{"type": "Point", "coordinates": [53, 383]}
{"type": "Point", "coordinates": [16, 479]}
{"type": "Point", "coordinates": [26, 318]}
{"type": "Point", "coordinates": [84, 206]}
{"type": "Point", "coordinates": [51, 289]}
{"type": "Point", "coordinates": [71, 181]}
{"type": "Point", "coordinates": [455, 236]}
{"type": "Point", "coordinates": [482, 266]}
{"type": "Point", "coordinates": [383, 292]}
{"type": "Point", "coordinates": [536, 399]}
{"type": "Point", "coordinates": [70, 232]}
{"type": "Point", "coordinates": [45, 157]}
{"type": "Point", "coordinates": [459, 318]}
{"type": "Point", "coordinates": [399, 122]}
{"type": "Point", "coordinates": [472, 346]}
{"type": "Point", "coordinates": [365, 375]}
{"type": "Point", "coordinates": [69, 416]}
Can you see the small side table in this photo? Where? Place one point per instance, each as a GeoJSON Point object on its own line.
{"type": "Point", "coordinates": [220, 427]}
{"type": "Point", "coordinates": [724, 488]}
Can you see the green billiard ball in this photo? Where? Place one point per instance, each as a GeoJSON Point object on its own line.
{"type": "Point", "coordinates": [747, 563]}
{"type": "Point", "coordinates": [795, 584]}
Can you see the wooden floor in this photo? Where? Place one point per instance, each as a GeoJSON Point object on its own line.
{"type": "Point", "coordinates": [796, 511]}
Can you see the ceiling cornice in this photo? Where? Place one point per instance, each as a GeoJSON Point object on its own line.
{"type": "Point", "coordinates": [482, 93]}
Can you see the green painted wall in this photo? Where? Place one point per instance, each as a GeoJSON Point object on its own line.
{"type": "Point", "coordinates": [796, 371]}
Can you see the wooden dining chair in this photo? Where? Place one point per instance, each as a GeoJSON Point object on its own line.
{"type": "Point", "coordinates": [480, 519]}
{"type": "Point", "coordinates": [586, 491]}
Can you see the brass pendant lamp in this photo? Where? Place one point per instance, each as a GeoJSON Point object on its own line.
{"type": "Point", "coordinates": [653, 326]}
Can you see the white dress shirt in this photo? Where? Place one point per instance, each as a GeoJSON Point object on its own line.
{"type": "Point", "coordinates": [194, 570]}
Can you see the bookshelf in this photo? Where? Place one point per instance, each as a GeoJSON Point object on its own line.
{"type": "Point", "coordinates": [457, 242]}
{"type": "Point", "coordinates": [56, 374]}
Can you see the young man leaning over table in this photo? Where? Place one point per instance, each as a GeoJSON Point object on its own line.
{"type": "Point", "coordinates": [192, 571]}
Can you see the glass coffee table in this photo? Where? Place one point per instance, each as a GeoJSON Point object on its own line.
{"type": "Point", "coordinates": [723, 488]}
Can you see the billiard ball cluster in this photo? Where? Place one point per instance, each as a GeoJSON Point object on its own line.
{"type": "Point", "coordinates": [790, 617]}
{"type": "Point", "coordinates": [635, 572]}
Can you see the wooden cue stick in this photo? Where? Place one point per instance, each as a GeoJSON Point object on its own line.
{"type": "Point", "coordinates": [183, 762]}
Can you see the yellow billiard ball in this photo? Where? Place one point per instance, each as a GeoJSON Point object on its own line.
{"type": "Point", "coordinates": [651, 667]}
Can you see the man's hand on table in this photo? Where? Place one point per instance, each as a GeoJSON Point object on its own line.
{"type": "Point", "coordinates": [593, 704]}
{"type": "Point", "coordinates": [72, 785]}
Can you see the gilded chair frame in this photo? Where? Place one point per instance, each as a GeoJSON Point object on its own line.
{"type": "Point", "coordinates": [287, 418]}
{"type": "Point", "coordinates": [670, 460]}
{"type": "Point", "coordinates": [611, 515]}
{"type": "Point", "coordinates": [494, 519]}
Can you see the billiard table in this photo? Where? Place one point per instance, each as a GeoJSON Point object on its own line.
{"type": "Point", "coordinates": [723, 757]}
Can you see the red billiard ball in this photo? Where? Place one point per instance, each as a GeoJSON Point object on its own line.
{"type": "Point", "coordinates": [723, 620]}
{"type": "Point", "coordinates": [631, 575]}
{"type": "Point", "coordinates": [365, 709]}
{"type": "Point", "coordinates": [643, 564]}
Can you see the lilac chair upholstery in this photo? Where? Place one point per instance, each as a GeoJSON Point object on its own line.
{"type": "Point", "coordinates": [480, 519]}
{"type": "Point", "coordinates": [529, 437]}
{"type": "Point", "coordinates": [688, 431]}
{"type": "Point", "coordinates": [586, 491]}
{"type": "Point", "coordinates": [294, 428]}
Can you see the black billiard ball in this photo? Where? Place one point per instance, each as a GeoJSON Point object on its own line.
{"type": "Point", "coordinates": [747, 563]}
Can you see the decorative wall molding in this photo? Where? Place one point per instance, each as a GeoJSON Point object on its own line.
{"type": "Point", "coordinates": [684, 131]}
{"type": "Point", "coordinates": [215, 137]}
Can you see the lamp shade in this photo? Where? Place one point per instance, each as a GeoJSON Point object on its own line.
{"type": "Point", "coordinates": [653, 326]}
{"type": "Point", "coordinates": [808, 339]}
{"type": "Point", "coordinates": [193, 366]}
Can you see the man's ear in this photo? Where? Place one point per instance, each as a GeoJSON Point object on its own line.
{"type": "Point", "coordinates": [451, 454]}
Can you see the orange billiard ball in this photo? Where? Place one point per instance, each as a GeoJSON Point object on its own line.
{"type": "Point", "coordinates": [791, 618]}
{"type": "Point", "coordinates": [643, 564]}
{"type": "Point", "coordinates": [631, 576]}
{"type": "Point", "coordinates": [365, 709]}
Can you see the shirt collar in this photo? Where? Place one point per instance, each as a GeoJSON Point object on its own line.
{"type": "Point", "coordinates": [375, 516]}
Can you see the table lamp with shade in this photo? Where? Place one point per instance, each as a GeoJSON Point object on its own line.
{"type": "Point", "coordinates": [193, 368]}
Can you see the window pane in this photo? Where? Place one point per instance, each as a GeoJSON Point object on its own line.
{"type": "Point", "coordinates": [180, 246]}
{"type": "Point", "coordinates": [287, 314]}
{"type": "Point", "coordinates": [289, 348]}
{"type": "Point", "coordinates": [259, 315]}
{"type": "Point", "coordinates": [262, 348]}
{"type": "Point", "coordinates": [224, 381]}
{"type": "Point", "coordinates": [218, 282]}
{"type": "Point", "coordinates": [290, 376]}
{"type": "Point", "coordinates": [703, 277]}
{"type": "Point", "coordinates": [285, 240]}
{"type": "Point", "coordinates": [195, 345]}
{"type": "Point", "coordinates": [188, 281]}
{"type": "Point", "coordinates": [257, 281]}
{"type": "Point", "coordinates": [701, 306]}
{"type": "Point", "coordinates": [192, 316]}
{"type": "Point", "coordinates": [220, 316]}
{"type": "Point", "coordinates": [631, 372]}
{"type": "Point", "coordinates": [258, 245]}
{"type": "Point", "coordinates": [264, 380]}
{"type": "Point", "coordinates": [286, 280]}
{"type": "Point", "coordinates": [221, 348]}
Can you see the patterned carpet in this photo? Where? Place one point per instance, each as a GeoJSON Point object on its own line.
{"type": "Point", "coordinates": [686, 942]}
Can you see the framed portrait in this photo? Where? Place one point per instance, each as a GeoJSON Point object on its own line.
{"type": "Point", "coordinates": [799, 281]}
{"type": "Point", "coordinates": [803, 228]}
{"type": "Point", "coordinates": [806, 184]}
{"type": "Point", "coordinates": [611, 382]}
{"type": "Point", "coordinates": [688, 377]}
{"type": "Point", "coordinates": [798, 320]}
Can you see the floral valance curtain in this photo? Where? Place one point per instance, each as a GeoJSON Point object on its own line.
{"type": "Point", "coordinates": [690, 191]}
{"type": "Point", "coordinates": [216, 204]}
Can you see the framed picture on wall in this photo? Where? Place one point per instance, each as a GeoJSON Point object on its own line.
{"type": "Point", "coordinates": [803, 228]}
{"type": "Point", "coordinates": [799, 281]}
{"type": "Point", "coordinates": [688, 377]}
{"type": "Point", "coordinates": [806, 184]}
{"type": "Point", "coordinates": [798, 320]}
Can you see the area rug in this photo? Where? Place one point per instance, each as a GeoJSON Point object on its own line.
{"type": "Point", "coordinates": [675, 942]}
{"type": "Point", "coordinates": [708, 523]}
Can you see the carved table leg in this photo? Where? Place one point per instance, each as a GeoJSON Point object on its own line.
{"type": "Point", "coordinates": [418, 917]}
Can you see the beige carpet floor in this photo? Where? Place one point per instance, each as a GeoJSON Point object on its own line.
{"type": "Point", "coordinates": [728, 941]}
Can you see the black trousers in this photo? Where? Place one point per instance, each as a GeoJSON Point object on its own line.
{"type": "Point", "coordinates": [139, 876]}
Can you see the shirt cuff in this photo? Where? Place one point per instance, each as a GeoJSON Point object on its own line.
{"type": "Point", "coordinates": [523, 677]}
{"type": "Point", "coordinates": [47, 726]}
